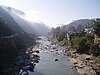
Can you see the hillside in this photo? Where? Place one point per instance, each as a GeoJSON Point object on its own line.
{"type": "Point", "coordinates": [5, 30]}
{"type": "Point", "coordinates": [10, 21]}
{"type": "Point", "coordinates": [13, 40]}
{"type": "Point", "coordinates": [13, 16]}
{"type": "Point", "coordinates": [78, 25]}
{"type": "Point", "coordinates": [82, 39]}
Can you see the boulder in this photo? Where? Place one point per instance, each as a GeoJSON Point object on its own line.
{"type": "Point", "coordinates": [88, 58]}
{"type": "Point", "coordinates": [37, 51]}
{"type": "Point", "coordinates": [75, 63]}
{"type": "Point", "coordinates": [56, 59]}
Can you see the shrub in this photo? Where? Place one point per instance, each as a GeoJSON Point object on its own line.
{"type": "Point", "coordinates": [84, 44]}
{"type": "Point", "coordinates": [96, 28]}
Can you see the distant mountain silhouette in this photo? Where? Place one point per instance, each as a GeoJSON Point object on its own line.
{"type": "Point", "coordinates": [78, 25]}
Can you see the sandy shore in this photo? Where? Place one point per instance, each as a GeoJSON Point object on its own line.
{"type": "Point", "coordinates": [84, 64]}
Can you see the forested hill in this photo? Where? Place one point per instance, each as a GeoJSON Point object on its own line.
{"type": "Point", "coordinates": [82, 35]}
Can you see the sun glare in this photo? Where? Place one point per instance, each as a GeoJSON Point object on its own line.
{"type": "Point", "coordinates": [32, 16]}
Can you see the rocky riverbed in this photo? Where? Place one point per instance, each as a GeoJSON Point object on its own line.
{"type": "Point", "coordinates": [48, 58]}
{"type": "Point", "coordinates": [85, 64]}
{"type": "Point", "coordinates": [27, 61]}
{"type": "Point", "coordinates": [53, 59]}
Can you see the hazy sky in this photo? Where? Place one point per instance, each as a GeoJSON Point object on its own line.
{"type": "Point", "coordinates": [53, 12]}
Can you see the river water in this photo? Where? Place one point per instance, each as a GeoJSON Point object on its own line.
{"type": "Point", "coordinates": [53, 60]}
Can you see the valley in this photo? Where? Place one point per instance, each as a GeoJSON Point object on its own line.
{"type": "Point", "coordinates": [49, 37]}
{"type": "Point", "coordinates": [53, 59]}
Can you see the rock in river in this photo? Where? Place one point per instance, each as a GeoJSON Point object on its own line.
{"type": "Point", "coordinates": [56, 59]}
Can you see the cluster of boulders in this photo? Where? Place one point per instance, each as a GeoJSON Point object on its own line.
{"type": "Point", "coordinates": [27, 61]}
{"type": "Point", "coordinates": [84, 62]}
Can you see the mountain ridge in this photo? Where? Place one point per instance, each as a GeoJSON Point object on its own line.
{"type": "Point", "coordinates": [78, 25]}
{"type": "Point", "coordinates": [35, 27]}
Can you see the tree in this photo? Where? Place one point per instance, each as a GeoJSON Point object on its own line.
{"type": "Point", "coordinates": [96, 28]}
{"type": "Point", "coordinates": [85, 43]}
{"type": "Point", "coordinates": [56, 32]}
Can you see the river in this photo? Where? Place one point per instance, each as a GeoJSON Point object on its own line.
{"type": "Point", "coordinates": [53, 60]}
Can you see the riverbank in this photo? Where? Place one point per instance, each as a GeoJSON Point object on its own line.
{"type": "Point", "coordinates": [27, 61]}
{"type": "Point", "coordinates": [85, 64]}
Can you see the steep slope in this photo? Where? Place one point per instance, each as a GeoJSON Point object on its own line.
{"type": "Point", "coordinates": [15, 11]}
{"type": "Point", "coordinates": [5, 30]}
{"type": "Point", "coordinates": [13, 39]}
{"type": "Point", "coordinates": [30, 27]}
{"type": "Point", "coordinates": [10, 21]}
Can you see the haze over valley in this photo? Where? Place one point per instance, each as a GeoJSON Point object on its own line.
{"type": "Point", "coordinates": [49, 37]}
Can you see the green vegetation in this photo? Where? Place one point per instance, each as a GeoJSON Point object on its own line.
{"type": "Point", "coordinates": [83, 42]}
{"type": "Point", "coordinates": [58, 34]}
{"type": "Point", "coordinates": [96, 28]}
